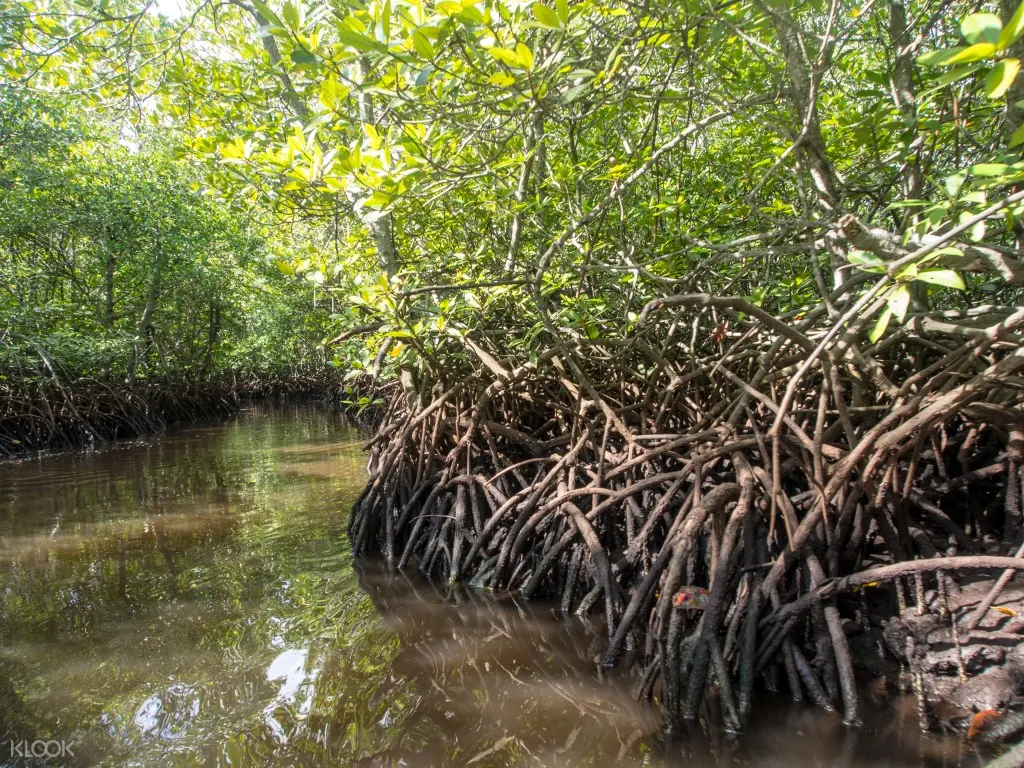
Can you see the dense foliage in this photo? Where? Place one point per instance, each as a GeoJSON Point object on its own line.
{"type": "Point", "coordinates": [587, 156]}
{"type": "Point", "coordinates": [652, 287]}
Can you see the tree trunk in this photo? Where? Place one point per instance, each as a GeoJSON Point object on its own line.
{"type": "Point", "coordinates": [810, 145]}
{"type": "Point", "coordinates": [139, 343]}
{"type": "Point", "coordinates": [382, 229]}
{"type": "Point", "coordinates": [906, 102]}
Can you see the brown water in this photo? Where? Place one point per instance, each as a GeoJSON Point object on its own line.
{"type": "Point", "coordinates": [191, 600]}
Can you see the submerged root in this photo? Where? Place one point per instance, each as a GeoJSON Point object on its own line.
{"type": "Point", "coordinates": [777, 467]}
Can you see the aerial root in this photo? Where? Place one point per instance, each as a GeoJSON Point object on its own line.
{"type": "Point", "coordinates": [721, 526]}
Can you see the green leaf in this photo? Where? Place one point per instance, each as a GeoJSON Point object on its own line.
{"type": "Point", "coordinates": [941, 57]}
{"type": "Point", "coordinates": [358, 41]}
{"type": "Point", "coordinates": [502, 79]}
{"type": "Point", "coordinates": [899, 301]}
{"type": "Point", "coordinates": [268, 15]}
{"type": "Point", "coordinates": [959, 55]}
{"type": "Point", "coordinates": [990, 169]}
{"type": "Point", "coordinates": [975, 52]}
{"type": "Point", "coordinates": [955, 183]}
{"type": "Point", "coordinates": [303, 57]}
{"type": "Point", "coordinates": [1018, 137]}
{"type": "Point", "coordinates": [1001, 78]}
{"type": "Point", "coordinates": [546, 16]}
{"type": "Point", "coordinates": [866, 261]}
{"type": "Point", "coordinates": [1013, 30]}
{"type": "Point", "coordinates": [959, 73]}
{"type": "Point", "coordinates": [944, 277]}
{"type": "Point", "coordinates": [292, 14]}
{"type": "Point", "coordinates": [562, 7]}
{"type": "Point", "coordinates": [572, 94]}
{"type": "Point", "coordinates": [525, 55]}
{"type": "Point", "coordinates": [981, 28]}
{"type": "Point", "coordinates": [422, 45]}
{"type": "Point", "coordinates": [880, 325]}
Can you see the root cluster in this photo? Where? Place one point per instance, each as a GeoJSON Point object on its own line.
{"type": "Point", "coordinates": [57, 412]}
{"type": "Point", "coordinates": [780, 463]}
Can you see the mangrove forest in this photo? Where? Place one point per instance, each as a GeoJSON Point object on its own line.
{"type": "Point", "coordinates": [698, 323]}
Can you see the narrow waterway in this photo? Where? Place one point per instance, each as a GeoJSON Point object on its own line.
{"type": "Point", "coordinates": [191, 600]}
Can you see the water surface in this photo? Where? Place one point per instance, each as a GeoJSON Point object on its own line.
{"type": "Point", "coordinates": [191, 600]}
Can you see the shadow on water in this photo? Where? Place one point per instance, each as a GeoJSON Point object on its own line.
{"type": "Point", "coordinates": [191, 600]}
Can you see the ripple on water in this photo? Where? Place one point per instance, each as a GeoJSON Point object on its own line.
{"type": "Point", "coordinates": [192, 600]}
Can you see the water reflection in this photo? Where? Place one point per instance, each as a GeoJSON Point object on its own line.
{"type": "Point", "coordinates": [191, 600]}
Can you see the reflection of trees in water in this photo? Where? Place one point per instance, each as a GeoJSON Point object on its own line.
{"type": "Point", "coordinates": [496, 682]}
{"type": "Point", "coordinates": [504, 683]}
{"type": "Point", "coordinates": [123, 570]}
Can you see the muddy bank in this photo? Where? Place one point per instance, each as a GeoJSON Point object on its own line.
{"type": "Point", "coordinates": [959, 651]}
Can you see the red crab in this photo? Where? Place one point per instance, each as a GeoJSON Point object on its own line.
{"type": "Point", "coordinates": [692, 598]}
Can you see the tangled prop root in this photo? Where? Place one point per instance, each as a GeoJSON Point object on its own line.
{"type": "Point", "coordinates": [59, 412]}
{"type": "Point", "coordinates": [778, 465]}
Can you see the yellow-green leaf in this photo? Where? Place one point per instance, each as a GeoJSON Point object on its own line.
{"type": "Point", "coordinates": [1001, 78]}
{"type": "Point", "coordinates": [941, 57]}
{"type": "Point", "coordinates": [981, 28]}
{"type": "Point", "coordinates": [423, 46]}
{"type": "Point", "coordinates": [898, 302]}
{"type": "Point", "coordinates": [1013, 30]}
{"type": "Point", "coordinates": [292, 15]}
{"type": "Point", "coordinates": [959, 55]}
{"type": "Point", "coordinates": [562, 7]}
{"type": "Point", "coordinates": [505, 56]}
{"type": "Point", "coordinates": [944, 277]}
{"type": "Point", "coordinates": [525, 55]}
{"type": "Point", "coordinates": [502, 79]}
{"type": "Point", "coordinates": [975, 52]}
{"type": "Point", "coordinates": [880, 325]}
{"type": "Point", "coordinates": [546, 16]}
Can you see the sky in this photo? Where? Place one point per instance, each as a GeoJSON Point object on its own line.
{"type": "Point", "coordinates": [172, 9]}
